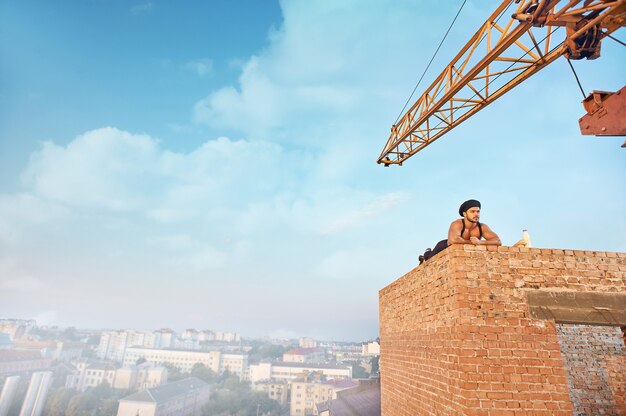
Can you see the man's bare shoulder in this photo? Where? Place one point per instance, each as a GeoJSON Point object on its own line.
{"type": "Point", "coordinates": [456, 223]}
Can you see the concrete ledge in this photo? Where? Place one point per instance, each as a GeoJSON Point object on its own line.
{"type": "Point", "coordinates": [578, 307]}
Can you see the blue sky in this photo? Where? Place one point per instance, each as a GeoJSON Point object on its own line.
{"type": "Point", "coordinates": [212, 164]}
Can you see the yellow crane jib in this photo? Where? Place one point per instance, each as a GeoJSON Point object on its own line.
{"type": "Point", "coordinates": [517, 40]}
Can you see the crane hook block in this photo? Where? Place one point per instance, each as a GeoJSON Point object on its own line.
{"type": "Point", "coordinates": [606, 114]}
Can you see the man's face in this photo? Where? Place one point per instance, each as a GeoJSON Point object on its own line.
{"type": "Point", "coordinates": [472, 214]}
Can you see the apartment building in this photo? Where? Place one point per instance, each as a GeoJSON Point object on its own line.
{"type": "Point", "coordinates": [235, 363]}
{"type": "Point", "coordinates": [90, 374]}
{"type": "Point", "coordinates": [345, 352]}
{"type": "Point", "coordinates": [184, 360]}
{"type": "Point", "coordinates": [163, 338]}
{"type": "Point", "coordinates": [278, 390]}
{"type": "Point", "coordinates": [370, 348]}
{"type": "Point", "coordinates": [307, 393]}
{"type": "Point", "coordinates": [227, 336]}
{"type": "Point", "coordinates": [36, 394]}
{"type": "Point", "coordinates": [140, 377]}
{"type": "Point", "coordinates": [291, 371]}
{"type": "Point", "coordinates": [184, 397]}
{"type": "Point", "coordinates": [260, 372]}
{"type": "Point", "coordinates": [113, 344]}
{"type": "Point", "coordinates": [306, 342]}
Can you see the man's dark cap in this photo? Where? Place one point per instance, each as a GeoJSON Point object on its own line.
{"type": "Point", "coordinates": [470, 203]}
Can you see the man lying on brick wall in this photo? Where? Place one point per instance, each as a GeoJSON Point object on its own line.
{"type": "Point", "coordinates": [466, 230]}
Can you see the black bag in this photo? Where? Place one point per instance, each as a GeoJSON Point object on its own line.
{"type": "Point", "coordinates": [440, 246]}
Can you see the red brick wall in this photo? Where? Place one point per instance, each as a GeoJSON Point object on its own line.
{"type": "Point", "coordinates": [457, 337]}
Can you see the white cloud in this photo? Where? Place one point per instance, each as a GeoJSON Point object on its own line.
{"type": "Point", "coordinates": [360, 263]}
{"type": "Point", "coordinates": [354, 217]}
{"type": "Point", "coordinates": [14, 279]}
{"type": "Point", "coordinates": [20, 284]}
{"type": "Point", "coordinates": [112, 170]}
{"type": "Point", "coordinates": [317, 71]}
{"type": "Point", "coordinates": [200, 259]}
{"type": "Point", "coordinates": [100, 169]}
{"type": "Point", "coordinates": [201, 67]}
{"type": "Point", "coordinates": [186, 252]}
{"type": "Point", "coordinates": [257, 107]}
{"type": "Point", "coordinates": [24, 212]}
{"type": "Point", "coordinates": [176, 242]}
{"type": "Point", "coordinates": [142, 8]}
{"type": "Point", "coordinates": [323, 210]}
{"type": "Point", "coordinates": [232, 203]}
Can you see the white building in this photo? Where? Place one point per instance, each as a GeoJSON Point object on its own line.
{"type": "Point", "coordinates": [139, 377]}
{"type": "Point", "coordinates": [36, 394]}
{"type": "Point", "coordinates": [184, 360]}
{"type": "Point", "coordinates": [68, 351]}
{"type": "Point", "coordinates": [113, 344]}
{"type": "Point", "coordinates": [206, 335]}
{"type": "Point", "coordinates": [163, 338]}
{"type": "Point", "coordinates": [184, 397]}
{"type": "Point", "coordinates": [260, 372]}
{"type": "Point", "coordinates": [227, 336]}
{"type": "Point", "coordinates": [189, 334]}
{"type": "Point", "coordinates": [291, 371]}
{"type": "Point", "coordinates": [278, 390]}
{"type": "Point", "coordinates": [371, 348]}
{"type": "Point", "coordinates": [305, 342]}
{"type": "Point", "coordinates": [194, 339]}
{"type": "Point", "coordinates": [90, 374]}
{"type": "Point", "coordinates": [8, 393]}
{"type": "Point", "coordinates": [305, 395]}
{"type": "Point", "coordinates": [345, 352]}
{"type": "Point", "coordinates": [235, 364]}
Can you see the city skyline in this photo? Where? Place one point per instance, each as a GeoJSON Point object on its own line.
{"type": "Point", "coordinates": [212, 164]}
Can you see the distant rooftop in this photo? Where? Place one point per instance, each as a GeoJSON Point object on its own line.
{"type": "Point", "coordinates": [304, 351]}
{"type": "Point", "coordinates": [19, 355]}
{"type": "Point", "coordinates": [137, 347]}
{"type": "Point", "coordinates": [167, 391]}
{"type": "Point", "coordinates": [308, 365]}
{"type": "Point", "coordinates": [361, 401]}
{"type": "Point", "coordinates": [100, 366]}
{"type": "Point", "coordinates": [342, 384]}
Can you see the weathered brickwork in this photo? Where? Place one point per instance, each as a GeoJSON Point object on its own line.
{"type": "Point", "coordinates": [595, 361]}
{"type": "Point", "coordinates": [457, 336]}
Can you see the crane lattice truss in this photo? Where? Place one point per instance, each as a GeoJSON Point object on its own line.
{"type": "Point", "coordinates": [499, 57]}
